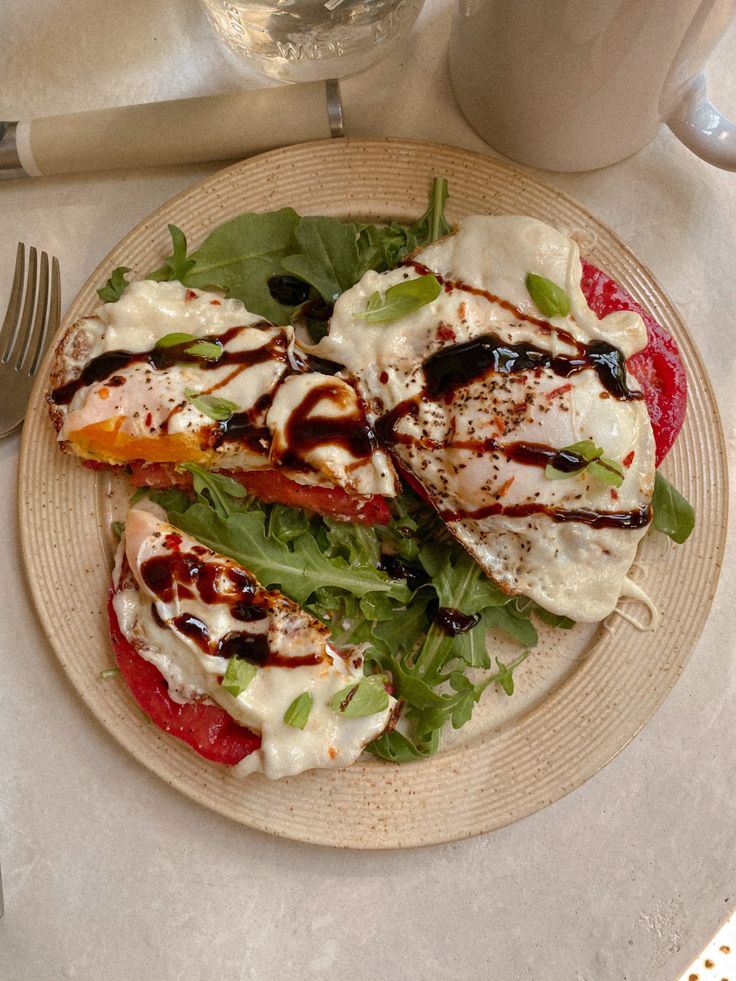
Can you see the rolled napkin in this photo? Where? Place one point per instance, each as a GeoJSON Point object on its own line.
{"type": "Point", "coordinates": [215, 127]}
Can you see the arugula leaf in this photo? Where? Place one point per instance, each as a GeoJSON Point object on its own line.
{"type": "Point", "coordinates": [297, 569]}
{"type": "Point", "coordinates": [298, 712]}
{"type": "Point", "coordinates": [224, 493]}
{"type": "Point", "coordinates": [367, 697]}
{"type": "Point", "coordinates": [328, 260]}
{"type": "Point", "coordinates": [176, 266]}
{"type": "Point", "coordinates": [285, 524]}
{"type": "Point", "coordinates": [115, 286]}
{"type": "Point", "coordinates": [238, 675]}
{"type": "Point", "coordinates": [505, 677]}
{"type": "Point", "coordinates": [549, 298]}
{"type": "Point", "coordinates": [400, 300]}
{"type": "Point", "coordinates": [170, 499]}
{"type": "Point", "coordinates": [433, 224]}
{"type": "Point", "coordinates": [210, 405]}
{"type": "Point", "coordinates": [117, 528]}
{"type": "Point", "coordinates": [672, 514]}
{"type": "Point", "coordinates": [398, 748]}
{"type": "Point", "coordinates": [459, 580]}
{"type": "Point", "coordinates": [383, 247]}
{"type": "Point", "coordinates": [240, 257]}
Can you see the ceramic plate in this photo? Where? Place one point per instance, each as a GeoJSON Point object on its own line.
{"type": "Point", "coordinates": [580, 697]}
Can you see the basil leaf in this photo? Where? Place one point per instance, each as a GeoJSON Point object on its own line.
{"type": "Point", "coordinates": [586, 448]}
{"type": "Point", "coordinates": [117, 528]}
{"type": "Point", "coordinates": [176, 266]}
{"type": "Point", "coordinates": [238, 676]}
{"type": "Point", "coordinates": [607, 470]}
{"type": "Point", "coordinates": [591, 458]}
{"type": "Point", "coordinates": [115, 286]}
{"type": "Point", "coordinates": [671, 512]}
{"type": "Point", "coordinates": [174, 339]}
{"type": "Point", "coordinates": [401, 299]}
{"type": "Point", "coordinates": [208, 350]}
{"type": "Point", "coordinates": [547, 296]}
{"type": "Point", "coordinates": [367, 697]}
{"type": "Point", "coordinates": [298, 712]}
{"type": "Point", "coordinates": [210, 405]}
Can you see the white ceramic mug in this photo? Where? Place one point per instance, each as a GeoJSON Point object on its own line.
{"type": "Point", "coordinates": [579, 84]}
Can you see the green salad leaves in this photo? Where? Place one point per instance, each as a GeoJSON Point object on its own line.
{"type": "Point", "coordinates": [383, 587]}
{"type": "Point", "coordinates": [243, 256]}
{"type": "Point", "coordinates": [672, 514]}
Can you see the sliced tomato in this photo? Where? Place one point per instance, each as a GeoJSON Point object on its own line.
{"type": "Point", "coordinates": [272, 487]}
{"type": "Point", "coordinates": [206, 728]}
{"type": "Point", "coordinates": [158, 475]}
{"type": "Point", "coordinates": [658, 368]}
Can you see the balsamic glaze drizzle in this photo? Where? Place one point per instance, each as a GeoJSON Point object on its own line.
{"type": "Point", "coordinates": [159, 358]}
{"type": "Point", "coordinates": [305, 431]}
{"type": "Point", "coordinates": [456, 365]}
{"type": "Point", "coordinates": [179, 574]}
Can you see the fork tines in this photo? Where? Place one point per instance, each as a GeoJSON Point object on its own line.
{"type": "Point", "coordinates": [33, 310]}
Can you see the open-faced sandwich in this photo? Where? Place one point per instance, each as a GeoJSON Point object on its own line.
{"type": "Point", "coordinates": [363, 454]}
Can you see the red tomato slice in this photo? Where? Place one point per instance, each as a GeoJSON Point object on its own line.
{"type": "Point", "coordinates": [273, 487]}
{"type": "Point", "coordinates": [658, 368]}
{"type": "Point", "coordinates": [206, 728]}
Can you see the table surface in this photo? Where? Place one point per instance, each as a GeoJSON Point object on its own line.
{"type": "Point", "coordinates": [107, 871]}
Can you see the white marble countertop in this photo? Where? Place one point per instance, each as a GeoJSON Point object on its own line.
{"type": "Point", "coordinates": [108, 872]}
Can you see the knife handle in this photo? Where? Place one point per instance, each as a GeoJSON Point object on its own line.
{"type": "Point", "coordinates": [215, 127]}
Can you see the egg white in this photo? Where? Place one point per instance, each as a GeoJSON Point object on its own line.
{"type": "Point", "coordinates": [328, 739]}
{"type": "Point", "coordinates": [570, 568]}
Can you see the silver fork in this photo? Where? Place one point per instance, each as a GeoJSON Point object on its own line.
{"type": "Point", "coordinates": [31, 320]}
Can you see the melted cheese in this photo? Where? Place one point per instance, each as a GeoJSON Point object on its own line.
{"type": "Point", "coordinates": [329, 739]}
{"type": "Point", "coordinates": [568, 567]}
{"type": "Point", "coordinates": [340, 451]}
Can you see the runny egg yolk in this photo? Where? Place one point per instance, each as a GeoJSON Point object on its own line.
{"type": "Point", "coordinates": [107, 442]}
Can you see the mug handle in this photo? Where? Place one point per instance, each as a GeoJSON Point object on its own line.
{"type": "Point", "coordinates": [702, 128]}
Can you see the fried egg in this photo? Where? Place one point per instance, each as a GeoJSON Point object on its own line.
{"type": "Point", "coordinates": [190, 611]}
{"type": "Point", "coordinates": [130, 384]}
{"type": "Point", "coordinates": [476, 391]}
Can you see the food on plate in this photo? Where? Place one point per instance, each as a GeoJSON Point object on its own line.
{"type": "Point", "coordinates": [483, 400]}
{"type": "Point", "coordinates": [174, 375]}
{"type": "Point", "coordinates": [217, 636]}
{"type": "Point", "coordinates": [412, 437]}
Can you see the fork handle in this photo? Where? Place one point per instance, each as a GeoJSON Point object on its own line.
{"type": "Point", "coordinates": [216, 127]}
